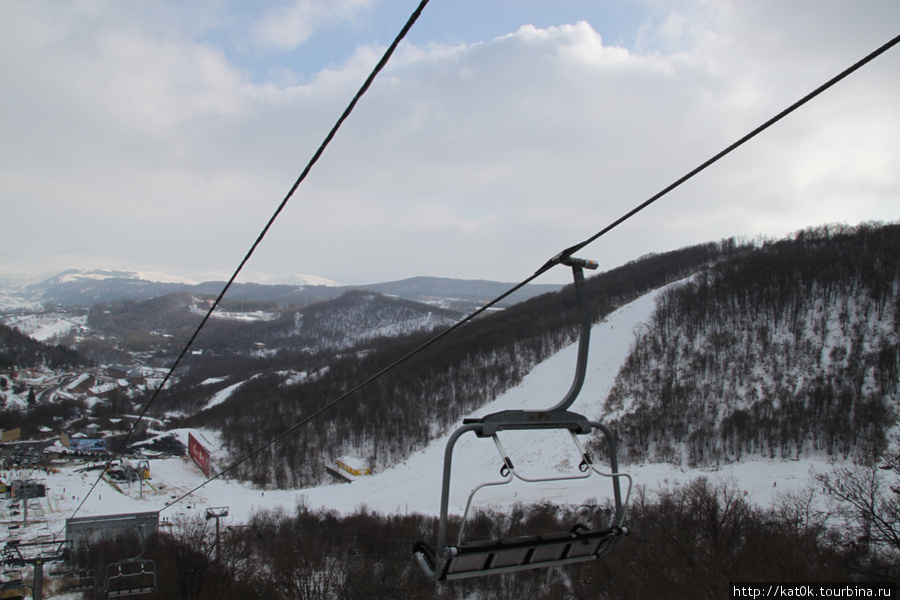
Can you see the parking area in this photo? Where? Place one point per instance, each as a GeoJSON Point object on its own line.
{"type": "Point", "coordinates": [21, 456]}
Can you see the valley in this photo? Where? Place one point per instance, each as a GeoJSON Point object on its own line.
{"type": "Point", "coordinates": [739, 373]}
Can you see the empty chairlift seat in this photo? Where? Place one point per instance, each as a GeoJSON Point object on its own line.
{"type": "Point", "coordinates": [130, 578]}
{"type": "Point", "coordinates": [80, 580]}
{"type": "Point", "coordinates": [579, 543]}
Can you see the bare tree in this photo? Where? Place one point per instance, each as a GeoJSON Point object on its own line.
{"type": "Point", "coordinates": [867, 498]}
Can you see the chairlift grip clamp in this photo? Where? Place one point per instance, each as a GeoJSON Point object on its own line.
{"type": "Point", "coordinates": [583, 263]}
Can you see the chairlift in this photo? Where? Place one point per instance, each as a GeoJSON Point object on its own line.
{"type": "Point", "coordinates": [476, 558]}
{"type": "Point", "coordinates": [77, 578]}
{"type": "Point", "coordinates": [132, 576]}
{"type": "Point", "coordinates": [80, 580]}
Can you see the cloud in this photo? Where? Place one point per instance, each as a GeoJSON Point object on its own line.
{"type": "Point", "coordinates": [288, 26]}
{"type": "Point", "coordinates": [147, 141]}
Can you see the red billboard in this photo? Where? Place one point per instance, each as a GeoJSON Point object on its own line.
{"type": "Point", "coordinates": [199, 453]}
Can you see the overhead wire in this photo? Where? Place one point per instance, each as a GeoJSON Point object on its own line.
{"type": "Point", "coordinates": [315, 158]}
{"type": "Point", "coordinates": [553, 261]}
{"type": "Point", "coordinates": [568, 252]}
{"type": "Point", "coordinates": [715, 158]}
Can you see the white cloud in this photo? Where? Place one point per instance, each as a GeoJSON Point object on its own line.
{"type": "Point", "coordinates": [288, 26]}
{"type": "Point", "coordinates": [148, 142]}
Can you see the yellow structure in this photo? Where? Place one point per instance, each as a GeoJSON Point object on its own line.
{"type": "Point", "coordinates": [8, 435]}
{"type": "Point", "coordinates": [11, 585]}
{"type": "Point", "coordinates": [12, 593]}
{"type": "Point", "coordinates": [359, 471]}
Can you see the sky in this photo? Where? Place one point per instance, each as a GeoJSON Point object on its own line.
{"type": "Point", "coordinates": [161, 136]}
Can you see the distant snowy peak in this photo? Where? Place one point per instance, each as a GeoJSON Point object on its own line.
{"type": "Point", "coordinates": [82, 275]}
{"type": "Point", "coordinates": [298, 279]}
{"type": "Point", "coordinates": [75, 275]}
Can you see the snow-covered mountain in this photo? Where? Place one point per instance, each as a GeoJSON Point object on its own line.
{"type": "Point", "coordinates": [75, 275]}
{"type": "Point", "coordinates": [414, 484]}
{"type": "Point", "coordinates": [297, 279]}
{"type": "Point", "coordinates": [89, 286]}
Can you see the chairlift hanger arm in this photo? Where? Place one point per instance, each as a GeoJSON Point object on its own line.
{"type": "Point", "coordinates": [584, 339]}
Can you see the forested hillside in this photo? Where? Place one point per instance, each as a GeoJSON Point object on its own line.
{"type": "Point", "coordinates": [402, 411]}
{"type": "Point", "coordinates": [17, 350]}
{"type": "Point", "coordinates": [160, 326]}
{"type": "Point", "coordinates": [354, 318]}
{"type": "Point", "coordinates": [789, 350]}
{"type": "Point", "coordinates": [777, 348]}
{"type": "Point", "coordinates": [93, 286]}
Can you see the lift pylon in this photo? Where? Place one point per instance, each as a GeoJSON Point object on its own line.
{"type": "Point", "coordinates": [217, 513]}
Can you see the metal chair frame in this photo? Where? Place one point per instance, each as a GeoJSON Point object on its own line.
{"type": "Point", "coordinates": [139, 581]}
{"type": "Point", "coordinates": [473, 559]}
{"type": "Point", "coordinates": [80, 580]}
{"type": "Point", "coordinates": [76, 577]}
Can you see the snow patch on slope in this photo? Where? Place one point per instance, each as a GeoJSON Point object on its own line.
{"type": "Point", "coordinates": [224, 394]}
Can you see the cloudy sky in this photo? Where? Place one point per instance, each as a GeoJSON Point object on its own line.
{"type": "Point", "coordinates": [161, 136]}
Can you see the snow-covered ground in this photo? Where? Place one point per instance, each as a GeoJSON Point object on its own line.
{"type": "Point", "coordinates": [46, 326]}
{"type": "Point", "coordinates": [223, 395]}
{"type": "Point", "coordinates": [415, 484]}
{"type": "Point", "coordinates": [11, 301]}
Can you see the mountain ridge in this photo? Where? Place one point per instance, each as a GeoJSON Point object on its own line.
{"type": "Point", "coordinates": [87, 287]}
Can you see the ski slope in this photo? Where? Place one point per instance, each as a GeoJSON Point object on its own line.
{"type": "Point", "coordinates": [415, 484]}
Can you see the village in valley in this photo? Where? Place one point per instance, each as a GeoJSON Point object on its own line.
{"type": "Point", "coordinates": [78, 457]}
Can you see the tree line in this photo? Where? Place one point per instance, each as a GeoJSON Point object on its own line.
{"type": "Point", "coordinates": [688, 541]}
{"type": "Point", "coordinates": [18, 351]}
